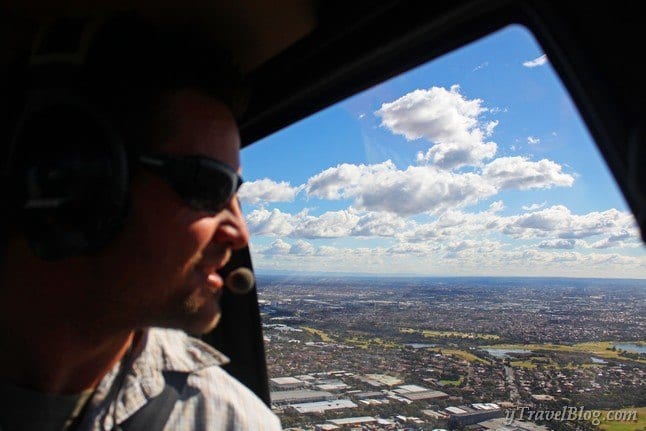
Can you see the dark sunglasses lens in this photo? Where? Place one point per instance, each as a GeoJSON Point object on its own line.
{"type": "Point", "coordinates": [204, 184]}
{"type": "Point", "coordinates": [211, 189]}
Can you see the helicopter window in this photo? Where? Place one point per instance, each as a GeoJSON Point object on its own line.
{"type": "Point", "coordinates": [444, 248]}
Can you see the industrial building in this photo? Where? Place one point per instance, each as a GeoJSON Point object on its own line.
{"type": "Point", "coordinates": [322, 406]}
{"type": "Point", "coordinates": [417, 393]}
{"type": "Point", "coordinates": [286, 383]}
{"type": "Point", "coordinates": [353, 421]}
{"type": "Point", "coordinates": [468, 415]}
{"type": "Point", "coordinates": [279, 398]}
{"type": "Point", "coordinates": [502, 424]}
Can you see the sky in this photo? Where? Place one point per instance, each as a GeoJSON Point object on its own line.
{"type": "Point", "coordinates": [474, 164]}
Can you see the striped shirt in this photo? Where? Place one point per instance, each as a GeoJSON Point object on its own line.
{"type": "Point", "coordinates": [210, 400]}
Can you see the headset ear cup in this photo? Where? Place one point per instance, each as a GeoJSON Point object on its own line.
{"type": "Point", "coordinates": [73, 178]}
{"type": "Point", "coordinates": [67, 162]}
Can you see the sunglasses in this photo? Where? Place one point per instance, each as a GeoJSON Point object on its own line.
{"type": "Point", "coordinates": [204, 184]}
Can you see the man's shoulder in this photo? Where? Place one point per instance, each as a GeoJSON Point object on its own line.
{"type": "Point", "coordinates": [212, 397]}
{"type": "Point", "coordinates": [174, 350]}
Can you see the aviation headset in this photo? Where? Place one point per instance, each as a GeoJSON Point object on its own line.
{"type": "Point", "coordinates": [67, 164]}
{"type": "Point", "coordinates": [68, 158]}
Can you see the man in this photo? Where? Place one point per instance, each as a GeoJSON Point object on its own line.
{"type": "Point", "coordinates": [81, 339]}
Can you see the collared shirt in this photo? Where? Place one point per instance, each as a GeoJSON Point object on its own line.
{"type": "Point", "coordinates": [211, 399]}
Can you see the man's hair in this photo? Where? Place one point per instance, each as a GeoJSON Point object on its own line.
{"type": "Point", "coordinates": [132, 64]}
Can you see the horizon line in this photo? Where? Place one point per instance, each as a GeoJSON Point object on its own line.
{"type": "Point", "coordinates": [263, 272]}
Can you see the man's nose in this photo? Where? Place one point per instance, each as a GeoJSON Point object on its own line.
{"type": "Point", "coordinates": [233, 229]}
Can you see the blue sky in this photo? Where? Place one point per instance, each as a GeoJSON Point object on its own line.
{"type": "Point", "coordinates": [476, 163]}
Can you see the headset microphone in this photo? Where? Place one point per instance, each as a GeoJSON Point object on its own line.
{"type": "Point", "coordinates": [240, 281]}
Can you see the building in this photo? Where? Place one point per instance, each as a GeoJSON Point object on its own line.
{"type": "Point", "coordinates": [331, 385]}
{"type": "Point", "coordinates": [322, 406]}
{"type": "Point", "coordinates": [378, 380]}
{"type": "Point", "coordinates": [435, 414]}
{"type": "Point", "coordinates": [353, 421]}
{"type": "Point", "coordinates": [279, 398]}
{"type": "Point", "coordinates": [501, 424]}
{"type": "Point", "coordinates": [285, 383]}
{"type": "Point", "coordinates": [469, 415]}
{"type": "Point", "coordinates": [417, 393]}
{"type": "Point", "coordinates": [373, 394]}
{"type": "Point", "coordinates": [542, 397]}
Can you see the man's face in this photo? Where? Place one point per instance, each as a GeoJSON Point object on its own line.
{"type": "Point", "coordinates": [169, 253]}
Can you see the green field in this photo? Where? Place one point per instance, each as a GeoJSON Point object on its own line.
{"type": "Point", "coordinates": [449, 334]}
{"type": "Point", "coordinates": [640, 425]}
{"type": "Point", "coordinates": [365, 342]}
{"type": "Point", "coordinates": [522, 364]}
{"type": "Point", "coordinates": [321, 334]}
{"type": "Point", "coordinates": [464, 355]}
{"type": "Point", "coordinates": [452, 382]}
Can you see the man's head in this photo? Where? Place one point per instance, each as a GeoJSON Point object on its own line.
{"type": "Point", "coordinates": [167, 96]}
{"type": "Point", "coordinates": [169, 252]}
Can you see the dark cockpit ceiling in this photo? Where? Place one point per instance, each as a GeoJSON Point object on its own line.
{"type": "Point", "coordinates": [300, 56]}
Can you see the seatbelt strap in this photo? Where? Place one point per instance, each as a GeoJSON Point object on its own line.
{"type": "Point", "coordinates": [154, 414]}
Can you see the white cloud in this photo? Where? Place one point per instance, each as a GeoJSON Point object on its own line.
{"type": "Point", "coordinates": [461, 244]}
{"type": "Point", "coordinates": [379, 224]}
{"type": "Point", "coordinates": [454, 155]}
{"type": "Point", "coordinates": [331, 224]}
{"type": "Point", "coordinates": [579, 264]}
{"type": "Point", "coordinates": [301, 247]}
{"type": "Point", "coordinates": [538, 61]}
{"type": "Point", "coordinates": [470, 251]}
{"type": "Point", "coordinates": [497, 110]}
{"type": "Point", "coordinates": [490, 126]}
{"type": "Point", "coordinates": [266, 190]}
{"type": "Point", "coordinates": [457, 246]}
{"type": "Point", "coordinates": [558, 244]}
{"type": "Point", "coordinates": [278, 247]}
{"type": "Point", "coordinates": [558, 221]}
{"type": "Point", "coordinates": [271, 223]}
{"type": "Point", "coordinates": [414, 249]}
{"type": "Point", "coordinates": [622, 238]}
{"type": "Point", "coordinates": [533, 207]}
{"type": "Point", "coordinates": [283, 248]}
{"type": "Point", "coordinates": [455, 225]}
{"type": "Point", "coordinates": [383, 187]}
{"type": "Point", "coordinates": [520, 173]}
{"type": "Point", "coordinates": [557, 226]}
{"type": "Point", "coordinates": [496, 206]}
{"type": "Point", "coordinates": [445, 118]}
{"type": "Point", "coordinates": [421, 189]}
{"type": "Point", "coordinates": [532, 140]}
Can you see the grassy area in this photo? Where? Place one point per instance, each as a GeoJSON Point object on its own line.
{"type": "Point", "coordinates": [522, 364]}
{"type": "Point", "coordinates": [452, 382]}
{"type": "Point", "coordinates": [364, 342]}
{"type": "Point", "coordinates": [461, 354]}
{"type": "Point", "coordinates": [446, 334]}
{"type": "Point", "coordinates": [322, 334]}
{"type": "Point", "coordinates": [597, 348]}
{"type": "Point", "coordinates": [640, 425]}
